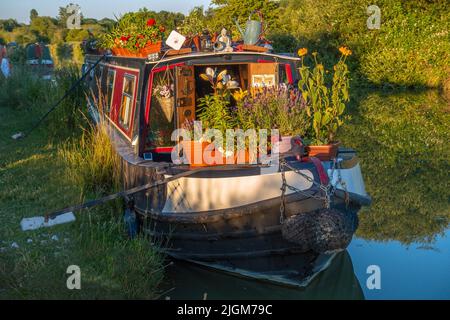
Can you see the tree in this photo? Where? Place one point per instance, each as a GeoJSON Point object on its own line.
{"type": "Point", "coordinates": [195, 22]}
{"type": "Point", "coordinates": [33, 14]}
{"type": "Point", "coordinates": [9, 25]}
{"type": "Point", "coordinates": [43, 28]}
{"type": "Point", "coordinates": [227, 10]}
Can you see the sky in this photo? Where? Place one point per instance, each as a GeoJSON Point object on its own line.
{"type": "Point", "coordinates": [20, 9]}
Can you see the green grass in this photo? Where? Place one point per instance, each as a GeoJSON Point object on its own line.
{"type": "Point", "coordinates": [38, 175]}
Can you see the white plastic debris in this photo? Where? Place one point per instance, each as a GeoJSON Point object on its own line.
{"type": "Point", "coordinates": [39, 222]}
{"type": "Point", "coordinates": [17, 136]}
{"type": "Point", "coordinates": [29, 240]}
{"type": "Point", "coordinates": [14, 245]}
{"type": "Point", "coordinates": [55, 238]}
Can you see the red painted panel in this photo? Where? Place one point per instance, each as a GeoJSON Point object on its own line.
{"type": "Point", "coordinates": [288, 69]}
{"type": "Point", "coordinates": [117, 98]}
{"type": "Point", "coordinates": [264, 61]}
{"type": "Point", "coordinates": [162, 150]}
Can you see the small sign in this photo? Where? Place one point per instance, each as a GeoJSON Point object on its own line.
{"type": "Point", "coordinates": [263, 80]}
{"type": "Point", "coordinates": [175, 40]}
{"type": "Point", "coordinates": [148, 156]}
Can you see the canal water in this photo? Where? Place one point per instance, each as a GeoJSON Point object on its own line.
{"type": "Point", "coordinates": [404, 236]}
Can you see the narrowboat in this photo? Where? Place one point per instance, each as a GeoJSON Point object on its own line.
{"type": "Point", "coordinates": [40, 60]}
{"type": "Point", "coordinates": [231, 217]}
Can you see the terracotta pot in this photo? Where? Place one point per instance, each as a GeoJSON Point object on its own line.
{"type": "Point", "coordinates": [141, 53]}
{"type": "Point", "coordinates": [245, 157]}
{"type": "Point", "coordinates": [193, 152]}
{"type": "Point", "coordinates": [324, 152]}
{"type": "Point", "coordinates": [196, 40]}
{"type": "Point", "coordinates": [150, 48]}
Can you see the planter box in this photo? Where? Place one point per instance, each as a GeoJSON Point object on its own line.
{"type": "Point", "coordinates": [141, 53]}
{"type": "Point", "coordinates": [197, 153]}
{"type": "Point", "coordinates": [325, 152]}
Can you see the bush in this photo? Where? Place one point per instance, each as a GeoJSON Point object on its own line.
{"type": "Point", "coordinates": [23, 89]}
{"type": "Point", "coordinates": [92, 162]}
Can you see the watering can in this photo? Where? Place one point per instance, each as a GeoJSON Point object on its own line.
{"type": "Point", "coordinates": [253, 29]}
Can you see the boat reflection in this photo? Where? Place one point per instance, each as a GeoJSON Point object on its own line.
{"type": "Point", "coordinates": [337, 281]}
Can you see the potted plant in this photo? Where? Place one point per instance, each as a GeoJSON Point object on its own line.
{"type": "Point", "coordinates": [135, 34]}
{"type": "Point", "coordinates": [280, 108]}
{"type": "Point", "coordinates": [325, 104]}
{"type": "Point", "coordinates": [214, 113]}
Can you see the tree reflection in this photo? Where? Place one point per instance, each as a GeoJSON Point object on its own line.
{"type": "Point", "coordinates": [402, 140]}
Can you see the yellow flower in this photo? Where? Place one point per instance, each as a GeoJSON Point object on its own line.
{"type": "Point", "coordinates": [314, 53]}
{"type": "Point", "coordinates": [320, 66]}
{"type": "Point", "coordinates": [345, 51]}
{"type": "Point", "coordinates": [301, 52]}
{"type": "Point", "coordinates": [239, 95]}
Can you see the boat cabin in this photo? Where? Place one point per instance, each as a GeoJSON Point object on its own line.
{"type": "Point", "coordinates": [145, 101]}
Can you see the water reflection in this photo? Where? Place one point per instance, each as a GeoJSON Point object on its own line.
{"type": "Point", "coordinates": [402, 140]}
{"type": "Point", "coordinates": [338, 281]}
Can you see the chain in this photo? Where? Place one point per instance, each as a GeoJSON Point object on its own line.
{"type": "Point", "coordinates": [283, 192]}
{"type": "Point", "coordinates": [327, 190]}
{"type": "Point", "coordinates": [344, 186]}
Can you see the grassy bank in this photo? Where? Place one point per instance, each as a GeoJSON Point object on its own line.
{"type": "Point", "coordinates": [40, 174]}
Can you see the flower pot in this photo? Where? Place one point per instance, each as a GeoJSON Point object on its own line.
{"type": "Point", "coordinates": [193, 152]}
{"type": "Point", "coordinates": [245, 157]}
{"type": "Point", "coordinates": [325, 152]}
{"type": "Point", "coordinates": [196, 40]}
{"type": "Point", "coordinates": [167, 107]}
{"type": "Point", "coordinates": [141, 53]}
{"type": "Point", "coordinates": [150, 48]}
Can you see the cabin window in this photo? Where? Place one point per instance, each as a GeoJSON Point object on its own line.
{"type": "Point", "coordinates": [127, 101]}
{"type": "Point", "coordinates": [162, 110]}
{"type": "Point", "coordinates": [283, 78]}
{"type": "Point", "coordinates": [110, 80]}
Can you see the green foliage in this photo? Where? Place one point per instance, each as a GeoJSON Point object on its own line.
{"type": "Point", "coordinates": [8, 25]}
{"type": "Point", "coordinates": [227, 10]}
{"type": "Point", "coordinates": [402, 141]}
{"type": "Point", "coordinates": [23, 89]}
{"type": "Point", "coordinates": [32, 173]}
{"type": "Point", "coordinates": [410, 49]}
{"type": "Point", "coordinates": [66, 119]}
{"type": "Point", "coordinates": [273, 108]}
{"type": "Point", "coordinates": [195, 22]}
{"type": "Point", "coordinates": [43, 28]}
{"type": "Point", "coordinates": [214, 112]}
{"type": "Point", "coordinates": [77, 35]}
{"type": "Point", "coordinates": [133, 31]}
{"type": "Point", "coordinates": [36, 179]}
{"type": "Point", "coordinates": [92, 162]}
{"type": "Point", "coordinates": [17, 55]}
{"type": "Point", "coordinates": [33, 14]}
{"type": "Point", "coordinates": [326, 103]}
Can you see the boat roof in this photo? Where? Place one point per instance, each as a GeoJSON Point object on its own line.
{"type": "Point", "coordinates": [199, 55]}
{"type": "Point", "coordinates": [221, 53]}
